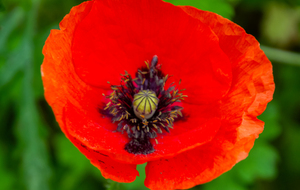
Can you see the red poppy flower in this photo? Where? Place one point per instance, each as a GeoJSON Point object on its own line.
{"type": "Point", "coordinates": [187, 137]}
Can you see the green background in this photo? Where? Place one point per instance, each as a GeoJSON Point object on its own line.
{"type": "Point", "coordinates": [35, 155]}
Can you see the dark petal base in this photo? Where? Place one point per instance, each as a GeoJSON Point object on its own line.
{"type": "Point", "coordinates": [139, 146]}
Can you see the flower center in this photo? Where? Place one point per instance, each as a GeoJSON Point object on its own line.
{"type": "Point", "coordinates": [143, 107]}
{"type": "Point", "coordinates": [145, 104]}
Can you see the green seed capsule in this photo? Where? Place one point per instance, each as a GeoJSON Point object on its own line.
{"type": "Point", "coordinates": [145, 104]}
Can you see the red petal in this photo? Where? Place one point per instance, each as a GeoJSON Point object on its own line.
{"type": "Point", "coordinates": [194, 167]}
{"type": "Point", "coordinates": [84, 122]}
{"type": "Point", "coordinates": [120, 35]}
{"type": "Point", "coordinates": [63, 89]}
{"type": "Point", "coordinates": [62, 86]}
{"type": "Point", "coordinates": [204, 163]}
{"type": "Point", "coordinates": [198, 126]}
{"type": "Point", "coordinates": [252, 88]}
{"type": "Point", "coordinates": [249, 63]}
{"type": "Point", "coordinates": [95, 132]}
{"type": "Point", "coordinates": [109, 168]}
{"type": "Point", "coordinates": [68, 94]}
{"type": "Point", "coordinates": [59, 79]}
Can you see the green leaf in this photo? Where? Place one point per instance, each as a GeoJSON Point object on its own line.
{"type": "Point", "coordinates": [260, 164]}
{"type": "Point", "coordinates": [290, 145]}
{"type": "Point", "coordinates": [6, 176]}
{"type": "Point", "coordinates": [272, 127]}
{"type": "Point", "coordinates": [2, 8]}
{"type": "Point", "coordinates": [224, 182]}
{"type": "Point", "coordinates": [34, 160]}
{"type": "Point", "coordinates": [76, 165]}
{"type": "Point", "coordinates": [35, 166]}
{"type": "Point", "coordinates": [9, 23]}
{"type": "Point", "coordinates": [13, 61]}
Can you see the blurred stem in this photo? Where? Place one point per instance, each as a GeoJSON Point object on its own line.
{"type": "Point", "coordinates": [281, 56]}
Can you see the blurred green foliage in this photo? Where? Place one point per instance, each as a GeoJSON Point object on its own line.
{"type": "Point", "coordinates": [35, 155]}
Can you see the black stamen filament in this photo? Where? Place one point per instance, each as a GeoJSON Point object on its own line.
{"type": "Point", "coordinates": [142, 107]}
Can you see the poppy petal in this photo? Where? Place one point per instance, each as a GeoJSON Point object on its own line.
{"type": "Point", "coordinates": [57, 70]}
{"type": "Point", "coordinates": [62, 86]}
{"type": "Point", "coordinates": [248, 61]}
{"type": "Point", "coordinates": [219, 124]}
{"type": "Point", "coordinates": [65, 92]}
{"type": "Point", "coordinates": [110, 169]}
{"type": "Point", "coordinates": [85, 122]}
{"type": "Point", "coordinates": [198, 126]}
{"type": "Point", "coordinates": [129, 32]}
{"type": "Point", "coordinates": [68, 94]}
{"type": "Point", "coordinates": [196, 166]}
{"type": "Point", "coordinates": [252, 88]}
{"type": "Point", "coordinates": [96, 132]}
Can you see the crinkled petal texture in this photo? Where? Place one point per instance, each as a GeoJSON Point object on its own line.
{"type": "Point", "coordinates": [69, 96]}
{"type": "Point", "coordinates": [227, 77]}
{"type": "Point", "coordinates": [252, 88]}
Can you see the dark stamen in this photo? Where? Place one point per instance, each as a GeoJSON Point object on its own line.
{"type": "Point", "coordinates": [142, 107]}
